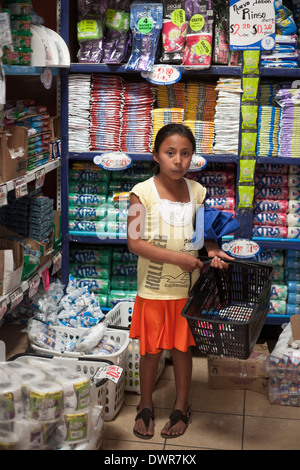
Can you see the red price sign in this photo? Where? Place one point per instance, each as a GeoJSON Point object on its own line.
{"type": "Point", "coordinates": [21, 189]}
{"type": "Point", "coordinates": [3, 308]}
{"type": "Point", "coordinates": [39, 178]}
{"type": "Point", "coordinates": [241, 248]}
{"type": "Point", "coordinates": [163, 74]}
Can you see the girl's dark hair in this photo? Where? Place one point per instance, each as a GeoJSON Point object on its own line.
{"type": "Point", "coordinates": [171, 129]}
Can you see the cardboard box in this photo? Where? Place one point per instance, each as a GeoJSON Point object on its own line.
{"type": "Point", "coordinates": [239, 374]}
{"type": "Point", "coordinates": [43, 247]}
{"type": "Point", "coordinates": [11, 265]}
{"type": "Point", "coordinates": [13, 141]}
{"type": "Point", "coordinates": [55, 126]}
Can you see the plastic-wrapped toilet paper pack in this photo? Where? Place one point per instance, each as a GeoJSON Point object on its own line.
{"type": "Point", "coordinates": [76, 391]}
{"type": "Point", "coordinates": [11, 401]}
{"type": "Point", "coordinates": [8, 440]}
{"type": "Point", "coordinates": [44, 401]}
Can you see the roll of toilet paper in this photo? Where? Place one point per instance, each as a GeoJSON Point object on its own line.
{"type": "Point", "coordinates": [77, 391]}
{"type": "Point", "coordinates": [76, 427]}
{"type": "Point", "coordinates": [8, 440]}
{"type": "Point", "coordinates": [11, 402]}
{"type": "Point", "coordinates": [44, 401]}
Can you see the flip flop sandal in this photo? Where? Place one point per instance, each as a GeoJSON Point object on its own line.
{"type": "Point", "coordinates": [174, 418]}
{"type": "Point", "coordinates": [145, 415]}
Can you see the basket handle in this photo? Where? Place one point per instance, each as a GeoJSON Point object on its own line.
{"type": "Point", "coordinates": [206, 260]}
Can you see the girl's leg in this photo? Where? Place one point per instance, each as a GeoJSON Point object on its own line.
{"type": "Point", "coordinates": [182, 364]}
{"type": "Point", "coordinates": [148, 373]}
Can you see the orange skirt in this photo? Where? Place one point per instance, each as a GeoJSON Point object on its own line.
{"type": "Point", "coordinates": [158, 324]}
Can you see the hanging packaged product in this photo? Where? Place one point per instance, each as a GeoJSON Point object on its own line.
{"type": "Point", "coordinates": [117, 40]}
{"type": "Point", "coordinates": [247, 170]}
{"type": "Point", "coordinates": [198, 49]}
{"type": "Point", "coordinates": [91, 18]}
{"type": "Point", "coordinates": [145, 23]}
{"type": "Point", "coordinates": [246, 194]}
{"type": "Point", "coordinates": [174, 31]}
{"type": "Point", "coordinates": [251, 62]}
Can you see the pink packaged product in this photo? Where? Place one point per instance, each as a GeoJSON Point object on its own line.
{"type": "Point", "coordinates": [268, 231]}
{"type": "Point", "coordinates": [215, 178]}
{"type": "Point", "coordinates": [271, 180]}
{"type": "Point", "coordinates": [221, 203]}
{"type": "Point", "coordinates": [271, 192]}
{"type": "Point", "coordinates": [226, 190]}
{"type": "Point", "coordinates": [270, 218]}
{"type": "Point", "coordinates": [174, 31]}
{"type": "Point", "coordinates": [198, 49]}
{"type": "Point", "coordinates": [270, 205]}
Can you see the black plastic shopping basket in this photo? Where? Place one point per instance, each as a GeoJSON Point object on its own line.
{"type": "Point", "coordinates": [227, 308]}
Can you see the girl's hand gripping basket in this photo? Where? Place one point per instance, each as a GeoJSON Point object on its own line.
{"type": "Point", "coordinates": [227, 308]}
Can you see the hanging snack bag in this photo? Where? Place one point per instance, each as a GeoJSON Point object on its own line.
{"type": "Point", "coordinates": [198, 49]}
{"type": "Point", "coordinates": [174, 31]}
{"type": "Point", "coordinates": [145, 23]}
{"type": "Point", "coordinates": [117, 36]}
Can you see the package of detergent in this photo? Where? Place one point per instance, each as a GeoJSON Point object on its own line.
{"type": "Point", "coordinates": [270, 218]}
{"type": "Point", "coordinates": [294, 206]}
{"type": "Point", "coordinates": [294, 193]}
{"type": "Point", "coordinates": [88, 188]}
{"type": "Point", "coordinates": [221, 203]}
{"type": "Point", "coordinates": [87, 226]}
{"type": "Point", "coordinates": [279, 291]}
{"type": "Point", "coordinates": [226, 190]}
{"type": "Point", "coordinates": [174, 30]}
{"type": "Point", "coordinates": [90, 254]}
{"type": "Point", "coordinates": [272, 192]}
{"type": "Point", "coordinates": [270, 205]}
{"type": "Point", "coordinates": [87, 200]}
{"type": "Point", "coordinates": [293, 220]}
{"type": "Point", "coordinates": [268, 231]}
{"type": "Point", "coordinates": [83, 271]}
{"type": "Point", "coordinates": [146, 23]}
{"type": "Point", "coordinates": [273, 257]}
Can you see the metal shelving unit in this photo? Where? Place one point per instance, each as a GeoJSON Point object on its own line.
{"type": "Point", "coordinates": [245, 217]}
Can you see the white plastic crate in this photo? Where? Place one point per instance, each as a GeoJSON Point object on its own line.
{"type": "Point", "coordinates": [120, 317]}
{"type": "Point", "coordinates": [115, 392]}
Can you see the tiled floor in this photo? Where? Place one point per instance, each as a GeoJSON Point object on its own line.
{"type": "Point", "coordinates": [221, 419]}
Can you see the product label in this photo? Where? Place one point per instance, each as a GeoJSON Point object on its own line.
{"type": "Point", "coordinates": [45, 406]}
{"type": "Point", "coordinates": [145, 25]}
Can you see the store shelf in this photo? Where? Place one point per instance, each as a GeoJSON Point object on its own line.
{"type": "Point", "coordinates": [217, 70]}
{"type": "Point", "coordinates": [31, 175]}
{"type": "Point", "coordinates": [27, 70]}
{"type": "Point", "coordinates": [88, 237]}
{"type": "Point", "coordinates": [279, 160]}
{"type": "Point", "coordinates": [278, 243]}
{"type": "Point", "coordinates": [138, 157]}
{"type": "Point", "coordinates": [24, 286]}
{"type": "Point", "coordinates": [277, 319]}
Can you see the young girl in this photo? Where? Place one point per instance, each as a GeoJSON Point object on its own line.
{"type": "Point", "coordinates": [160, 225]}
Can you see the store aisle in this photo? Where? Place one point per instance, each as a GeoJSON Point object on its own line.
{"type": "Point", "coordinates": [221, 419]}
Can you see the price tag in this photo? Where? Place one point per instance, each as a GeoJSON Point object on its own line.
{"type": "Point", "coordinates": [113, 161]}
{"type": "Point", "coordinates": [111, 372]}
{"type": "Point", "coordinates": [33, 283]}
{"type": "Point", "coordinates": [252, 25]}
{"type": "Point", "coordinates": [163, 74]}
{"type": "Point", "coordinates": [241, 248]}
{"type": "Point", "coordinates": [3, 308]}
{"type": "Point", "coordinates": [39, 178]}
{"type": "Point", "coordinates": [198, 163]}
{"type": "Point", "coordinates": [45, 277]}
{"type": "Point", "coordinates": [56, 262]}
{"type": "Point", "coordinates": [3, 195]}
{"type": "Point", "coordinates": [21, 189]}
{"type": "Point", "coordinates": [15, 298]}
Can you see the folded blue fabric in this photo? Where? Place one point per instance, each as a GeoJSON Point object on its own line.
{"type": "Point", "coordinates": [217, 224]}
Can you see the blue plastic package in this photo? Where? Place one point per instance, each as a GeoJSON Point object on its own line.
{"type": "Point", "coordinates": [145, 23]}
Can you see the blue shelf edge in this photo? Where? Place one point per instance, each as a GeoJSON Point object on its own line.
{"type": "Point", "coordinates": [279, 243]}
{"type": "Point", "coordinates": [27, 70]}
{"type": "Point", "coordinates": [88, 156]}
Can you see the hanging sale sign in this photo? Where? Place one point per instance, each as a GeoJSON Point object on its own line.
{"type": "Point", "coordinates": [252, 25]}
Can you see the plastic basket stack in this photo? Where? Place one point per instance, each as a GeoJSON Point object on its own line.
{"type": "Point", "coordinates": [115, 391]}
{"type": "Point", "coordinates": [51, 403]}
{"type": "Point", "coordinates": [120, 317]}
